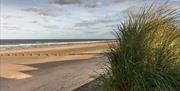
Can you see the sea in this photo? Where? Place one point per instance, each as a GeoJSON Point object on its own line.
{"type": "Point", "coordinates": [10, 44]}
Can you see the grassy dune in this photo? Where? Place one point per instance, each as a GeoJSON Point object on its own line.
{"type": "Point", "coordinates": [146, 56]}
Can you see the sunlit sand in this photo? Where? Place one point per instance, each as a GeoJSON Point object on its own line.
{"type": "Point", "coordinates": [19, 65]}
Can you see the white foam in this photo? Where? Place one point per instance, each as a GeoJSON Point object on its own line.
{"type": "Point", "coordinates": [15, 46]}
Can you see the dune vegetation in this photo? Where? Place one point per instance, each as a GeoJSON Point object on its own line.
{"type": "Point", "coordinates": [146, 55]}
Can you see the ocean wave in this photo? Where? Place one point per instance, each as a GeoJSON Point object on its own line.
{"type": "Point", "coordinates": [31, 45]}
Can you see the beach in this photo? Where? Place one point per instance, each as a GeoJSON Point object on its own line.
{"type": "Point", "coordinates": [50, 68]}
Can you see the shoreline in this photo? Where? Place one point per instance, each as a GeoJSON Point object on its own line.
{"type": "Point", "coordinates": [51, 47]}
{"type": "Point", "coordinates": [46, 45]}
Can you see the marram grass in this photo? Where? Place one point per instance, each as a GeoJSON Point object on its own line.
{"type": "Point", "coordinates": [146, 56]}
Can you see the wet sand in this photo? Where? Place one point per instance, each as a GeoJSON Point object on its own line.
{"type": "Point", "coordinates": [50, 69]}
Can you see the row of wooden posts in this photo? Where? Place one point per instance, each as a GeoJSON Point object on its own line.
{"type": "Point", "coordinates": [42, 54]}
{"type": "Point", "coordinates": [32, 54]}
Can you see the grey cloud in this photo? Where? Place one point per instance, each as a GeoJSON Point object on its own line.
{"type": "Point", "coordinates": [34, 21]}
{"type": "Point", "coordinates": [81, 1]}
{"type": "Point", "coordinates": [89, 30]}
{"type": "Point", "coordinates": [85, 23]}
{"type": "Point", "coordinates": [111, 25]}
{"type": "Point", "coordinates": [18, 30]}
{"type": "Point", "coordinates": [51, 26]}
{"type": "Point", "coordinates": [95, 3]}
{"type": "Point", "coordinates": [15, 29]}
{"type": "Point", "coordinates": [92, 23]}
{"type": "Point", "coordinates": [50, 11]}
{"type": "Point", "coordinates": [12, 16]}
{"type": "Point", "coordinates": [70, 1]}
{"type": "Point", "coordinates": [7, 27]}
{"type": "Point", "coordinates": [105, 21]}
{"type": "Point", "coordinates": [92, 30]}
{"type": "Point", "coordinates": [119, 1]}
{"type": "Point", "coordinates": [87, 3]}
{"type": "Point", "coordinates": [134, 10]}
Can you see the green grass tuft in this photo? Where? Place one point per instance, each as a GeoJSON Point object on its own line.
{"type": "Point", "coordinates": [146, 56]}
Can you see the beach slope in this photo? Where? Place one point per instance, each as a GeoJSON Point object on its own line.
{"type": "Point", "coordinates": [50, 69]}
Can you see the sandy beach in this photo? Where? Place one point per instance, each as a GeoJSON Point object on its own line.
{"type": "Point", "coordinates": [50, 69]}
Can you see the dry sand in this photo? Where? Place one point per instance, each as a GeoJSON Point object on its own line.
{"type": "Point", "coordinates": [49, 69]}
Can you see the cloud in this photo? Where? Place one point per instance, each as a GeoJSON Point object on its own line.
{"type": "Point", "coordinates": [92, 23]}
{"type": "Point", "coordinates": [134, 10]}
{"type": "Point", "coordinates": [120, 1]}
{"type": "Point", "coordinates": [10, 28]}
{"type": "Point", "coordinates": [174, 7]}
{"type": "Point", "coordinates": [111, 25]}
{"type": "Point", "coordinates": [108, 33]}
{"type": "Point", "coordinates": [95, 3]}
{"type": "Point", "coordinates": [69, 1]}
{"type": "Point", "coordinates": [7, 16]}
{"type": "Point", "coordinates": [82, 1]}
{"type": "Point", "coordinates": [78, 18]}
{"type": "Point", "coordinates": [49, 11]}
{"type": "Point", "coordinates": [85, 24]}
{"type": "Point", "coordinates": [34, 21]}
{"type": "Point", "coordinates": [51, 26]}
{"type": "Point", "coordinates": [86, 3]}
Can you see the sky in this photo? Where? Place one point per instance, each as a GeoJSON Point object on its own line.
{"type": "Point", "coordinates": [66, 19]}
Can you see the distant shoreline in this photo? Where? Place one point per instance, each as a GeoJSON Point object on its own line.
{"type": "Point", "coordinates": [26, 44]}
